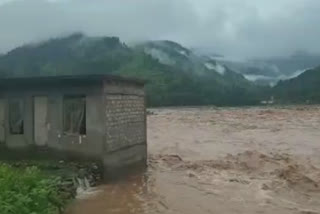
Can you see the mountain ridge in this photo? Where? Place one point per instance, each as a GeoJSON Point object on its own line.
{"type": "Point", "coordinates": [270, 70]}
{"type": "Point", "coordinates": [304, 88]}
{"type": "Point", "coordinates": [187, 81]}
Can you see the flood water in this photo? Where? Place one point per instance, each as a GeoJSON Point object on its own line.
{"type": "Point", "coordinates": [221, 160]}
{"type": "Point", "coordinates": [126, 196]}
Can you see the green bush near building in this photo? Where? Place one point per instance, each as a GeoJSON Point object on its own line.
{"type": "Point", "coordinates": [28, 191]}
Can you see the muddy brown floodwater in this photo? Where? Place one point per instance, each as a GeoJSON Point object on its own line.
{"type": "Point", "coordinates": [222, 160]}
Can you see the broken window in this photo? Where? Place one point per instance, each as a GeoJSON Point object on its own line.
{"type": "Point", "coordinates": [74, 114]}
{"type": "Point", "coordinates": [16, 116]}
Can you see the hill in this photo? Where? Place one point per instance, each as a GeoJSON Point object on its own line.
{"type": "Point", "coordinates": [175, 75]}
{"type": "Point", "coordinates": [303, 89]}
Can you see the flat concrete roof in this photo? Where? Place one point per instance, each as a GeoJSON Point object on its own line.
{"type": "Point", "coordinates": [66, 79]}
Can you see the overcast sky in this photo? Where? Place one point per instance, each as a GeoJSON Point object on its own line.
{"type": "Point", "coordinates": [244, 28]}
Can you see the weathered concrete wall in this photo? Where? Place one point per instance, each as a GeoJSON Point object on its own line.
{"type": "Point", "coordinates": [2, 122]}
{"type": "Point", "coordinates": [115, 122]}
{"type": "Point", "coordinates": [90, 145]}
{"type": "Point", "coordinates": [125, 124]}
{"type": "Point", "coordinates": [125, 121]}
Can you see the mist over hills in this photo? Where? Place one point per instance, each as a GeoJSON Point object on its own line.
{"type": "Point", "coordinates": [269, 71]}
{"type": "Point", "coordinates": [175, 75]}
{"type": "Point", "coordinates": [304, 88]}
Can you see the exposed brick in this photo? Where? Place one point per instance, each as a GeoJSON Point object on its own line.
{"type": "Point", "coordinates": [125, 117]}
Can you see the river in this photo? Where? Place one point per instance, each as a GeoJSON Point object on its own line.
{"type": "Point", "coordinates": [221, 160]}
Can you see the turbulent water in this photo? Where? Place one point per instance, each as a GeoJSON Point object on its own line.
{"type": "Point", "coordinates": [221, 160]}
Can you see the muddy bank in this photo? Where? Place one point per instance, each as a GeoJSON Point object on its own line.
{"type": "Point", "coordinates": [222, 160]}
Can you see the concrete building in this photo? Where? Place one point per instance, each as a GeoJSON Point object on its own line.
{"type": "Point", "coordinates": [97, 117]}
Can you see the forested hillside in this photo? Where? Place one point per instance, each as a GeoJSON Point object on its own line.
{"type": "Point", "coordinates": [303, 89]}
{"type": "Point", "coordinates": [175, 75]}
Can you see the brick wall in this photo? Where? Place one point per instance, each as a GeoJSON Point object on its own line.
{"type": "Point", "coordinates": [125, 117]}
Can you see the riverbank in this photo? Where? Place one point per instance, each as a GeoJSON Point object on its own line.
{"type": "Point", "coordinates": [44, 187]}
{"type": "Point", "coordinates": [29, 190]}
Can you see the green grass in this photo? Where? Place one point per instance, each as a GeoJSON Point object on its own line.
{"type": "Point", "coordinates": [28, 191]}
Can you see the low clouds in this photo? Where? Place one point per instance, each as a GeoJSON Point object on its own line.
{"type": "Point", "coordinates": [231, 27]}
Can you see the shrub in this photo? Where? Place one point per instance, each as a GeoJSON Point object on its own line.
{"type": "Point", "coordinates": [27, 191]}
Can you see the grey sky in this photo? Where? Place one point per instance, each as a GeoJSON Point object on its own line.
{"type": "Point", "coordinates": [230, 27]}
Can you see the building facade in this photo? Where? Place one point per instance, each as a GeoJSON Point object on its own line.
{"type": "Point", "coordinates": [87, 116]}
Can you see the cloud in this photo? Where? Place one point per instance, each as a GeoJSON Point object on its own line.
{"type": "Point", "coordinates": [231, 27]}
